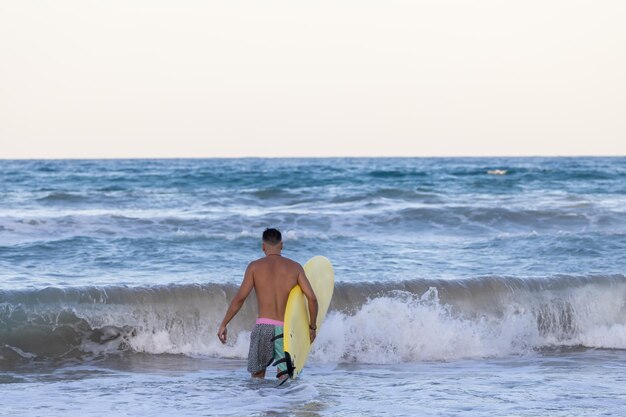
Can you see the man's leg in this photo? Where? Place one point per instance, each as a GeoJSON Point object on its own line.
{"type": "Point", "coordinates": [260, 374]}
{"type": "Point", "coordinates": [279, 353]}
{"type": "Point", "coordinates": [260, 355]}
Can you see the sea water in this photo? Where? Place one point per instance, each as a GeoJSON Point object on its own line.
{"type": "Point", "coordinates": [464, 286]}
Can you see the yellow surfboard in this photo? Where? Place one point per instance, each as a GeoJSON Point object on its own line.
{"type": "Point", "coordinates": [297, 343]}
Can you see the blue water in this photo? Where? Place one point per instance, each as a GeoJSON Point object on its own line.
{"type": "Point", "coordinates": [494, 265]}
{"type": "Point", "coordinates": [137, 222]}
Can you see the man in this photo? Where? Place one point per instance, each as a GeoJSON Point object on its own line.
{"type": "Point", "coordinates": [272, 278]}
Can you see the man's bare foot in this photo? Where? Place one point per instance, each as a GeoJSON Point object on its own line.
{"type": "Point", "coordinates": [260, 374]}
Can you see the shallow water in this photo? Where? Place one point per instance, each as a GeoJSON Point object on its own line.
{"type": "Point", "coordinates": [571, 383]}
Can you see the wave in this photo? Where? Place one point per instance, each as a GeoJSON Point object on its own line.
{"type": "Point", "coordinates": [63, 197]}
{"type": "Point", "coordinates": [371, 322]}
{"type": "Point", "coordinates": [347, 218]}
{"type": "Point", "coordinates": [499, 218]}
{"type": "Point", "coordinates": [397, 173]}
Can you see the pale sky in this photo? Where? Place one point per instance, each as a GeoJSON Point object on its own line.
{"type": "Point", "coordinates": [156, 78]}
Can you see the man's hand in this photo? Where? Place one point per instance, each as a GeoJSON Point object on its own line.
{"type": "Point", "coordinates": [312, 334]}
{"type": "Point", "coordinates": [221, 334]}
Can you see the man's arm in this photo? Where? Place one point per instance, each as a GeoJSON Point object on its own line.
{"type": "Point", "coordinates": [235, 305]}
{"type": "Point", "coordinates": [305, 285]}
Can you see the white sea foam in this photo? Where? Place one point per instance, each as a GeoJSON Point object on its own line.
{"type": "Point", "coordinates": [409, 328]}
{"type": "Point", "coordinates": [369, 323]}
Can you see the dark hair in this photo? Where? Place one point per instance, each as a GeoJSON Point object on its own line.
{"type": "Point", "coordinates": [272, 236]}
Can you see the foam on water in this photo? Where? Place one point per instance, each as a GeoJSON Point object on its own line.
{"type": "Point", "coordinates": [410, 328]}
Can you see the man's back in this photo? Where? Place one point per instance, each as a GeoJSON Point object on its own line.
{"type": "Point", "coordinates": [274, 276]}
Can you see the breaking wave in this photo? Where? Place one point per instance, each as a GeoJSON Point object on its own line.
{"type": "Point", "coordinates": [371, 322]}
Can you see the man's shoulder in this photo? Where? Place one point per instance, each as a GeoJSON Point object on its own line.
{"type": "Point", "coordinates": [292, 263]}
{"type": "Point", "coordinates": [255, 263]}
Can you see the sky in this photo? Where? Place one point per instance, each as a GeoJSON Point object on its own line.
{"type": "Point", "coordinates": [155, 78]}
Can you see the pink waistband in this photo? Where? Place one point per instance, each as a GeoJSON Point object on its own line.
{"type": "Point", "coordinates": [262, 320]}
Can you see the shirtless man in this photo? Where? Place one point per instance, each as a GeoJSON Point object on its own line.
{"type": "Point", "coordinates": [272, 278]}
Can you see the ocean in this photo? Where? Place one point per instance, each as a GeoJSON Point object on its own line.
{"type": "Point", "coordinates": [464, 286]}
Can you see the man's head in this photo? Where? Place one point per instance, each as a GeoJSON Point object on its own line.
{"type": "Point", "coordinates": [272, 241]}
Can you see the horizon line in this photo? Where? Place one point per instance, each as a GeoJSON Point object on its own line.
{"type": "Point", "coordinates": [91, 158]}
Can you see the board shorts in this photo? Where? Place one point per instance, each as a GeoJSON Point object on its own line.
{"type": "Point", "coordinates": [266, 346]}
